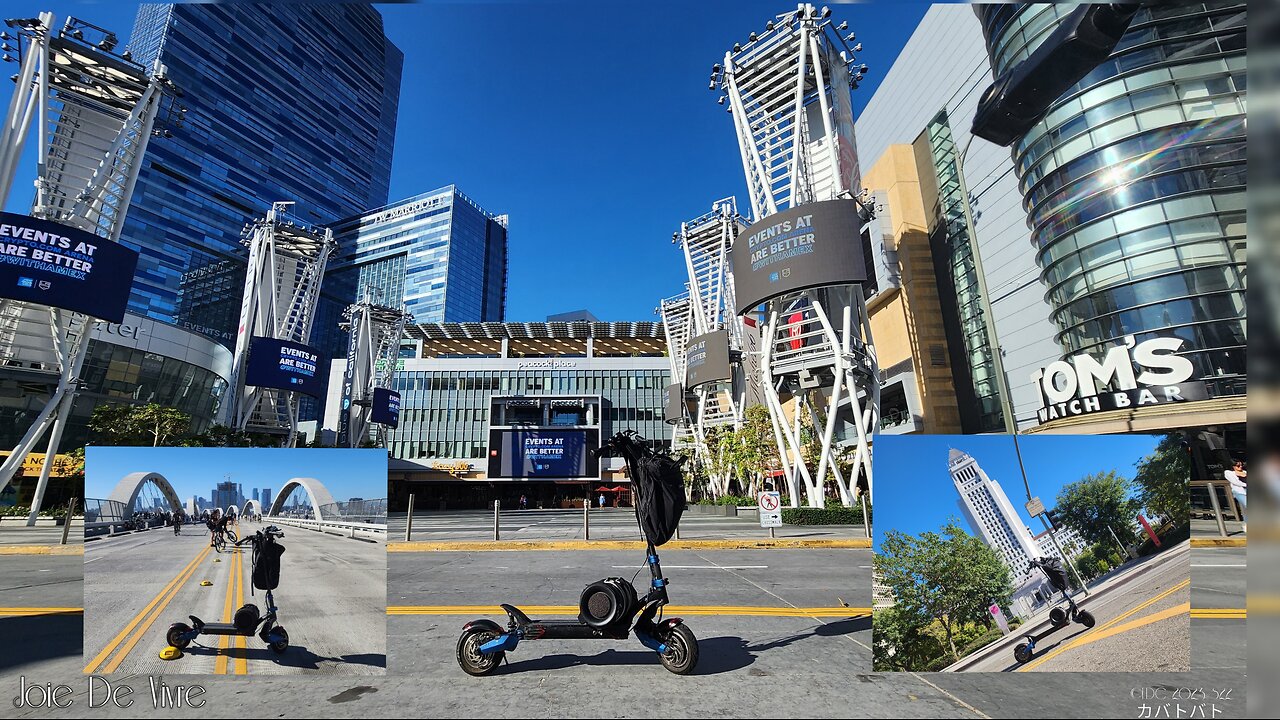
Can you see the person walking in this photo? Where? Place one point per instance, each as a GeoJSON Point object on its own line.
{"type": "Point", "coordinates": [1239, 479]}
{"type": "Point", "coordinates": [601, 500]}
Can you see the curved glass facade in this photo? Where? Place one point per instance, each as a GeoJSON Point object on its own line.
{"type": "Point", "coordinates": [1134, 183]}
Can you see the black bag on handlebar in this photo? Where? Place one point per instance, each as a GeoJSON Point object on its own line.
{"type": "Point", "coordinates": [266, 566]}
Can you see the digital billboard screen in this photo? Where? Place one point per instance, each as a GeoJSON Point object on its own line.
{"type": "Point", "coordinates": [706, 359]}
{"type": "Point", "coordinates": [543, 454]}
{"type": "Point", "coordinates": [813, 245]}
{"type": "Point", "coordinates": [386, 407]}
{"type": "Point", "coordinates": [49, 263]}
{"type": "Point", "coordinates": [673, 408]}
{"type": "Point", "coordinates": [285, 365]}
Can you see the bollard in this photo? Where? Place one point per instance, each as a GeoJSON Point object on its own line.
{"type": "Point", "coordinates": [771, 534]}
{"type": "Point", "coordinates": [408, 521]}
{"type": "Point", "coordinates": [66, 526]}
{"type": "Point", "coordinates": [1217, 509]}
{"type": "Point", "coordinates": [497, 505]}
{"type": "Point", "coordinates": [677, 531]}
{"type": "Point", "coordinates": [586, 518]}
{"type": "Point", "coordinates": [866, 521]}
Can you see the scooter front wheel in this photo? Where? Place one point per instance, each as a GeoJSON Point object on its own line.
{"type": "Point", "coordinates": [279, 646]}
{"type": "Point", "coordinates": [470, 659]}
{"type": "Point", "coordinates": [1023, 653]}
{"type": "Point", "coordinates": [1085, 618]}
{"type": "Point", "coordinates": [177, 635]}
{"type": "Point", "coordinates": [681, 656]}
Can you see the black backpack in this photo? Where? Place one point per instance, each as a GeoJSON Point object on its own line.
{"type": "Point", "coordinates": [266, 565]}
{"type": "Point", "coordinates": [659, 486]}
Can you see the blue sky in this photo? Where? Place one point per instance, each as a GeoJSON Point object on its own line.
{"type": "Point", "coordinates": [590, 124]}
{"type": "Point", "coordinates": [914, 492]}
{"type": "Point", "coordinates": [195, 471]}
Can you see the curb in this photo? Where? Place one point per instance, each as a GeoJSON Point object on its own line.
{"type": "Point", "coordinates": [516, 545]}
{"type": "Point", "coordinates": [41, 549]}
{"type": "Point", "coordinates": [1218, 542]}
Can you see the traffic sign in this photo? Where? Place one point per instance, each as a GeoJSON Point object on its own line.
{"type": "Point", "coordinates": [770, 504]}
{"type": "Point", "coordinates": [1035, 507]}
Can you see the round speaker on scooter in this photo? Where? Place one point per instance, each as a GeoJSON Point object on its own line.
{"type": "Point", "coordinates": [246, 618]}
{"type": "Point", "coordinates": [606, 602]}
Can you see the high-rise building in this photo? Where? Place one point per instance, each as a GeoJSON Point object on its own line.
{"type": "Point", "coordinates": [286, 102]}
{"type": "Point", "coordinates": [439, 253]}
{"type": "Point", "coordinates": [266, 500]}
{"type": "Point", "coordinates": [993, 518]}
{"type": "Point", "coordinates": [225, 495]}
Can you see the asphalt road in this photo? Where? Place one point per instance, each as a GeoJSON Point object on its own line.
{"type": "Point", "coordinates": [1218, 580]}
{"type": "Point", "coordinates": [14, 531]}
{"type": "Point", "coordinates": [331, 601]}
{"type": "Point", "coordinates": [796, 660]}
{"type": "Point", "coordinates": [41, 627]}
{"type": "Point", "coordinates": [605, 524]}
{"type": "Point", "coordinates": [1143, 623]}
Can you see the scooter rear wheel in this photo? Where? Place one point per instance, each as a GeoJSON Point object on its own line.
{"type": "Point", "coordinates": [681, 656]}
{"type": "Point", "coordinates": [470, 659]}
{"type": "Point", "coordinates": [177, 635]}
{"type": "Point", "coordinates": [1023, 653]}
{"type": "Point", "coordinates": [1085, 618]}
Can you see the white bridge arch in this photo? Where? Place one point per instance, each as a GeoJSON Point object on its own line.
{"type": "Point", "coordinates": [317, 493]}
{"type": "Point", "coordinates": [126, 491]}
{"type": "Point", "coordinates": [251, 505]}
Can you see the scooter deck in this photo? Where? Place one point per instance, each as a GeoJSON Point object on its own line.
{"type": "Point", "coordinates": [569, 630]}
{"type": "Point", "coordinates": [222, 629]}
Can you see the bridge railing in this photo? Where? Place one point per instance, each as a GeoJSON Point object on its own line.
{"type": "Point", "coordinates": [345, 527]}
{"type": "Point", "coordinates": [373, 512]}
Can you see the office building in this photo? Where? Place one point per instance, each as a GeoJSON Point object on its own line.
{"type": "Point", "coordinates": [470, 387]}
{"type": "Point", "coordinates": [1118, 220]}
{"type": "Point", "coordinates": [286, 102]}
{"type": "Point", "coordinates": [227, 495]}
{"type": "Point", "coordinates": [994, 520]}
{"type": "Point", "coordinates": [440, 254]}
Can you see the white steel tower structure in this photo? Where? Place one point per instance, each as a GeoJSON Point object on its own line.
{"type": "Point", "coordinates": [373, 347]}
{"type": "Point", "coordinates": [706, 242]}
{"type": "Point", "coordinates": [93, 112]}
{"type": "Point", "coordinates": [788, 89]}
{"type": "Point", "coordinates": [287, 261]}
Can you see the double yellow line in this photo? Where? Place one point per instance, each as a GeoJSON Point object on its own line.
{"type": "Point", "coordinates": [109, 659]}
{"type": "Point", "coordinates": [234, 599]}
{"type": "Point", "coordinates": [572, 610]}
{"type": "Point", "coordinates": [1114, 627]}
{"type": "Point", "coordinates": [38, 611]}
{"type": "Point", "coordinates": [1220, 613]}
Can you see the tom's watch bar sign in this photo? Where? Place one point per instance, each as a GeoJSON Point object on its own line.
{"type": "Point", "coordinates": [1129, 376]}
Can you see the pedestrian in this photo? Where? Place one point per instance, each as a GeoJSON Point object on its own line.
{"type": "Point", "coordinates": [602, 500]}
{"type": "Point", "coordinates": [1239, 479]}
{"type": "Point", "coordinates": [524, 502]}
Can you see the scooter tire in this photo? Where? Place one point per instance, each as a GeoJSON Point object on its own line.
{"type": "Point", "coordinates": [681, 656]}
{"type": "Point", "coordinates": [177, 635]}
{"type": "Point", "coordinates": [1023, 653]}
{"type": "Point", "coordinates": [282, 644]}
{"type": "Point", "coordinates": [470, 659]}
{"type": "Point", "coordinates": [1058, 617]}
{"type": "Point", "coordinates": [1085, 618]}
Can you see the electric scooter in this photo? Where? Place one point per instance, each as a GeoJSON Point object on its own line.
{"type": "Point", "coordinates": [1059, 617]}
{"type": "Point", "coordinates": [608, 609]}
{"type": "Point", "coordinates": [265, 571]}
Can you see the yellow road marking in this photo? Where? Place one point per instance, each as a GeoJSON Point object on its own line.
{"type": "Point", "coordinates": [224, 641]}
{"type": "Point", "coordinates": [76, 549]}
{"type": "Point", "coordinates": [1219, 613]}
{"type": "Point", "coordinates": [1212, 542]}
{"type": "Point", "coordinates": [34, 611]}
{"type": "Point", "coordinates": [572, 610]}
{"type": "Point", "coordinates": [242, 657]}
{"type": "Point", "coordinates": [743, 544]}
{"type": "Point", "coordinates": [157, 604]}
{"type": "Point", "coordinates": [1110, 624]}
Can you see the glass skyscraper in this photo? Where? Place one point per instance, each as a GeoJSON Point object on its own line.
{"type": "Point", "coordinates": [439, 253]}
{"type": "Point", "coordinates": [1134, 183]}
{"type": "Point", "coordinates": [286, 102]}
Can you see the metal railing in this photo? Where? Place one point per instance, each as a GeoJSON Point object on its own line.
{"type": "Point", "coordinates": [373, 512]}
{"type": "Point", "coordinates": [1215, 505]}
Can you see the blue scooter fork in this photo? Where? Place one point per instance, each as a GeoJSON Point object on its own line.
{"type": "Point", "coordinates": [651, 642]}
{"type": "Point", "coordinates": [503, 643]}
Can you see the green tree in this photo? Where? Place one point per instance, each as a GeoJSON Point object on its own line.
{"type": "Point", "coordinates": [160, 423]}
{"type": "Point", "coordinates": [1097, 505]}
{"type": "Point", "coordinates": [1163, 480]}
{"type": "Point", "coordinates": [902, 641]}
{"type": "Point", "coordinates": [951, 577]}
{"type": "Point", "coordinates": [113, 424]}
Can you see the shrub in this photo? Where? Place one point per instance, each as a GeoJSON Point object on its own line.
{"type": "Point", "coordinates": [822, 516]}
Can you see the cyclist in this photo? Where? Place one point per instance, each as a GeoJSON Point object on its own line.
{"type": "Point", "coordinates": [177, 523]}
{"type": "Point", "coordinates": [217, 525]}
